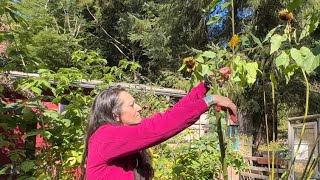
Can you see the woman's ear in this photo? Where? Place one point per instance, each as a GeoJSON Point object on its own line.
{"type": "Point", "coordinates": [116, 117]}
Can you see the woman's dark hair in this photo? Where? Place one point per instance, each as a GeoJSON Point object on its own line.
{"type": "Point", "coordinates": [104, 107]}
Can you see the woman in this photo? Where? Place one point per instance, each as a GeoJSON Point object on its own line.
{"type": "Point", "coordinates": [117, 137]}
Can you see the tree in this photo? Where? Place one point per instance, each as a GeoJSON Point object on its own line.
{"type": "Point", "coordinates": [155, 34]}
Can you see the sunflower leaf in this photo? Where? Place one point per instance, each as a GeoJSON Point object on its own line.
{"type": "Point", "coordinates": [294, 4]}
{"type": "Point", "coordinates": [310, 63]}
{"type": "Point", "coordinates": [211, 5]}
{"type": "Point", "coordinates": [282, 60]}
{"type": "Point", "coordinates": [296, 55]}
{"type": "Point", "coordinates": [276, 41]}
{"type": "Point", "coordinates": [209, 54]}
{"type": "Point", "coordinates": [270, 33]}
{"type": "Point", "coordinates": [182, 67]}
{"type": "Point", "coordinates": [311, 25]}
{"type": "Point", "coordinates": [224, 5]}
{"type": "Point", "coordinates": [256, 40]}
{"type": "Point", "coordinates": [214, 19]}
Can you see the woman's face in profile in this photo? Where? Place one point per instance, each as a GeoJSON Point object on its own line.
{"type": "Point", "coordinates": [130, 111]}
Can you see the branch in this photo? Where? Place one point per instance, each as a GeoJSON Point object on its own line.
{"type": "Point", "coordinates": [120, 50]}
{"type": "Point", "coordinates": [112, 38]}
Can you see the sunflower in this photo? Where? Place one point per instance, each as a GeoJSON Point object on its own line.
{"type": "Point", "coordinates": [190, 63]}
{"type": "Point", "coordinates": [234, 41]}
{"type": "Point", "coordinates": [285, 15]}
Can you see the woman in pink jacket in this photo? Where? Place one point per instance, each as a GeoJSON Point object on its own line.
{"type": "Point", "coordinates": [117, 137]}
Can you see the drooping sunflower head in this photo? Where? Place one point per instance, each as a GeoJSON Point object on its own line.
{"type": "Point", "coordinates": [190, 63]}
{"type": "Point", "coordinates": [285, 15]}
{"type": "Point", "coordinates": [234, 41]}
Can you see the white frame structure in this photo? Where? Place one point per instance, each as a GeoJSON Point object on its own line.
{"type": "Point", "coordinates": [296, 122]}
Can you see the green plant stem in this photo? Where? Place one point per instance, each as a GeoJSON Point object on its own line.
{"type": "Point", "coordinates": [304, 121]}
{"type": "Point", "coordinates": [220, 136]}
{"type": "Point", "coordinates": [232, 18]}
{"type": "Point", "coordinates": [313, 165]}
{"type": "Point", "coordinates": [222, 146]}
{"type": "Point", "coordinates": [266, 120]}
{"type": "Point", "coordinates": [310, 157]}
{"type": "Point", "coordinates": [46, 147]}
{"type": "Point", "coordinates": [233, 32]}
{"type": "Point", "coordinates": [233, 47]}
{"type": "Point", "coordinates": [273, 128]}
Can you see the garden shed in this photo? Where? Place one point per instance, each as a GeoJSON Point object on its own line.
{"type": "Point", "coordinates": [309, 148]}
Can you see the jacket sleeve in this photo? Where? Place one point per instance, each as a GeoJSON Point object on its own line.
{"type": "Point", "coordinates": [196, 93]}
{"type": "Point", "coordinates": [113, 141]}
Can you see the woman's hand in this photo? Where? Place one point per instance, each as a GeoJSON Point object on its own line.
{"type": "Point", "coordinates": [224, 103]}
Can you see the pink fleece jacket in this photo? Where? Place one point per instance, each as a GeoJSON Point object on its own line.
{"type": "Point", "coordinates": [111, 149]}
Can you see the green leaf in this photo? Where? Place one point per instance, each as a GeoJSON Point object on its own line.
{"type": "Point", "coordinates": [294, 4]}
{"type": "Point", "coordinates": [311, 62]}
{"type": "Point", "coordinates": [251, 69]}
{"type": "Point", "coordinates": [216, 18]}
{"type": "Point", "coordinates": [212, 4]}
{"type": "Point", "coordinates": [316, 50]}
{"type": "Point", "coordinates": [236, 79]}
{"type": "Point", "coordinates": [200, 59]}
{"type": "Point", "coordinates": [4, 169]}
{"type": "Point", "coordinates": [305, 59]}
{"type": "Point", "coordinates": [270, 33]}
{"type": "Point", "coordinates": [182, 67]}
{"type": "Point", "coordinates": [289, 71]}
{"type": "Point", "coordinates": [36, 90]}
{"type": "Point", "coordinates": [52, 114]}
{"type": "Point", "coordinates": [282, 60]}
{"type": "Point", "coordinates": [33, 133]}
{"type": "Point", "coordinates": [304, 32]}
{"type": "Point", "coordinates": [204, 69]}
{"type": "Point", "coordinates": [296, 55]}
{"type": "Point", "coordinates": [244, 40]}
{"type": "Point", "coordinates": [273, 79]}
{"type": "Point", "coordinates": [66, 122]}
{"type": "Point", "coordinates": [312, 22]}
{"type": "Point", "coordinates": [26, 110]}
{"type": "Point", "coordinates": [8, 37]}
{"type": "Point", "coordinates": [276, 41]}
{"type": "Point", "coordinates": [198, 75]}
{"type": "Point", "coordinates": [304, 51]}
{"type": "Point", "coordinates": [224, 5]}
{"type": "Point", "coordinates": [45, 83]}
{"type": "Point", "coordinates": [46, 134]}
{"type": "Point", "coordinates": [28, 116]}
{"type": "Point", "coordinates": [256, 40]}
{"type": "Point", "coordinates": [72, 160]}
{"type": "Point", "coordinates": [1, 11]}
{"type": "Point", "coordinates": [27, 165]}
{"type": "Point", "coordinates": [209, 54]}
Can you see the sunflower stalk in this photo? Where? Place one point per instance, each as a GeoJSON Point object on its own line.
{"type": "Point", "coordinates": [266, 121]}
{"type": "Point", "coordinates": [304, 122]}
{"type": "Point", "coordinates": [313, 165]}
{"type": "Point", "coordinates": [310, 157]}
{"type": "Point", "coordinates": [233, 33]}
{"type": "Point", "coordinates": [222, 144]}
{"type": "Point", "coordinates": [273, 84]}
